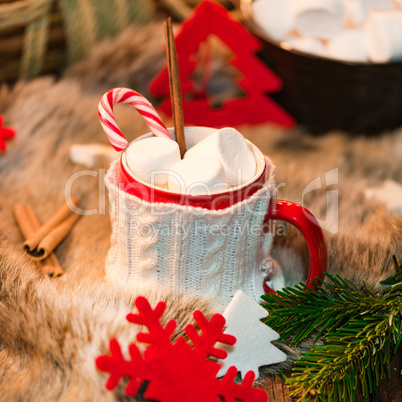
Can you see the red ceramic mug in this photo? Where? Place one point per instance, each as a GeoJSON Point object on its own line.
{"type": "Point", "coordinates": [287, 211]}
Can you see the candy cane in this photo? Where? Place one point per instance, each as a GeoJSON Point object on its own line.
{"type": "Point", "coordinates": [142, 105]}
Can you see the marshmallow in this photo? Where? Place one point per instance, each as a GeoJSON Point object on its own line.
{"type": "Point", "coordinates": [151, 158]}
{"type": "Point", "coordinates": [398, 4]}
{"type": "Point", "coordinates": [232, 150]}
{"type": "Point", "coordinates": [356, 11]}
{"type": "Point", "coordinates": [307, 45]}
{"type": "Point", "coordinates": [348, 46]}
{"type": "Point", "coordinates": [383, 36]}
{"type": "Point", "coordinates": [390, 194]}
{"type": "Point", "coordinates": [382, 5]}
{"type": "Point", "coordinates": [274, 17]}
{"type": "Point", "coordinates": [320, 18]}
{"type": "Point", "coordinates": [92, 155]}
{"type": "Point", "coordinates": [197, 175]}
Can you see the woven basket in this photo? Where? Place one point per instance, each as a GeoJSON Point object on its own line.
{"type": "Point", "coordinates": [43, 36]}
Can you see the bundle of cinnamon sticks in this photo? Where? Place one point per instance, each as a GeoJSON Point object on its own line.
{"type": "Point", "coordinates": [41, 240]}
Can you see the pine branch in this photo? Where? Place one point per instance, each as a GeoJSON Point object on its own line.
{"type": "Point", "coordinates": [301, 311]}
{"type": "Point", "coordinates": [332, 369]}
{"type": "Point", "coordinates": [360, 329]}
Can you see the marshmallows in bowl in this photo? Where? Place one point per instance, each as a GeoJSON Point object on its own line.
{"type": "Point", "coordinates": [217, 163]}
{"type": "Point", "coordinates": [347, 30]}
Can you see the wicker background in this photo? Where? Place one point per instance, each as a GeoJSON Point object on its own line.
{"type": "Point", "coordinates": [44, 36]}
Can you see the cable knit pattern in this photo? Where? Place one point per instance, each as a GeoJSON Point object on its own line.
{"type": "Point", "coordinates": [188, 249]}
{"type": "Point", "coordinates": [214, 257]}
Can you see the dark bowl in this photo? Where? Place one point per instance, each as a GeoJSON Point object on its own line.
{"type": "Point", "coordinates": [324, 94]}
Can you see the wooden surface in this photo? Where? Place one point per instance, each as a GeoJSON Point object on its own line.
{"type": "Point", "coordinates": [390, 390]}
{"type": "Point", "coordinates": [277, 390]}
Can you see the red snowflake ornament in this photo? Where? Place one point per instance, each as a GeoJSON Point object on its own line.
{"type": "Point", "coordinates": [6, 133]}
{"type": "Point", "coordinates": [210, 18]}
{"type": "Point", "coordinates": [177, 372]}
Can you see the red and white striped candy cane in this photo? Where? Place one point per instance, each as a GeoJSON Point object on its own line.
{"type": "Point", "coordinates": [142, 105]}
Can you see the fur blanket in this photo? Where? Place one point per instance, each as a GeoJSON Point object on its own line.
{"type": "Point", "coordinates": [52, 330]}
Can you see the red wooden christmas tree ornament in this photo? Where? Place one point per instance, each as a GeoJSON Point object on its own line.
{"type": "Point", "coordinates": [177, 372]}
{"type": "Point", "coordinates": [257, 80]}
{"type": "Point", "coordinates": [6, 133]}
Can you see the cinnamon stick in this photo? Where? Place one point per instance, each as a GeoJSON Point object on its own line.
{"type": "Point", "coordinates": [54, 238]}
{"type": "Point", "coordinates": [51, 265]}
{"type": "Point", "coordinates": [45, 232]}
{"type": "Point", "coordinates": [174, 85]}
{"type": "Point", "coordinates": [53, 271]}
{"type": "Point", "coordinates": [24, 222]}
{"type": "Point", "coordinates": [28, 223]}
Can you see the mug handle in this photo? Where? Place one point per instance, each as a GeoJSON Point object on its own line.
{"type": "Point", "coordinates": [306, 223]}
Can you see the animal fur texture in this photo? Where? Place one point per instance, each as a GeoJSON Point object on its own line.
{"type": "Point", "coordinates": [52, 330]}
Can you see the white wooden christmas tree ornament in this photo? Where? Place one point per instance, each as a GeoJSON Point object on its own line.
{"type": "Point", "coordinates": [253, 347]}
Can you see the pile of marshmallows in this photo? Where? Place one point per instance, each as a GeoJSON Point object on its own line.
{"type": "Point", "coordinates": [348, 30]}
{"type": "Point", "coordinates": [215, 164]}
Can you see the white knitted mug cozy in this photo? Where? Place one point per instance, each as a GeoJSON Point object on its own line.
{"type": "Point", "coordinates": [209, 252]}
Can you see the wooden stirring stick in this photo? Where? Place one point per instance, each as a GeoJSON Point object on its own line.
{"type": "Point", "coordinates": [174, 85]}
